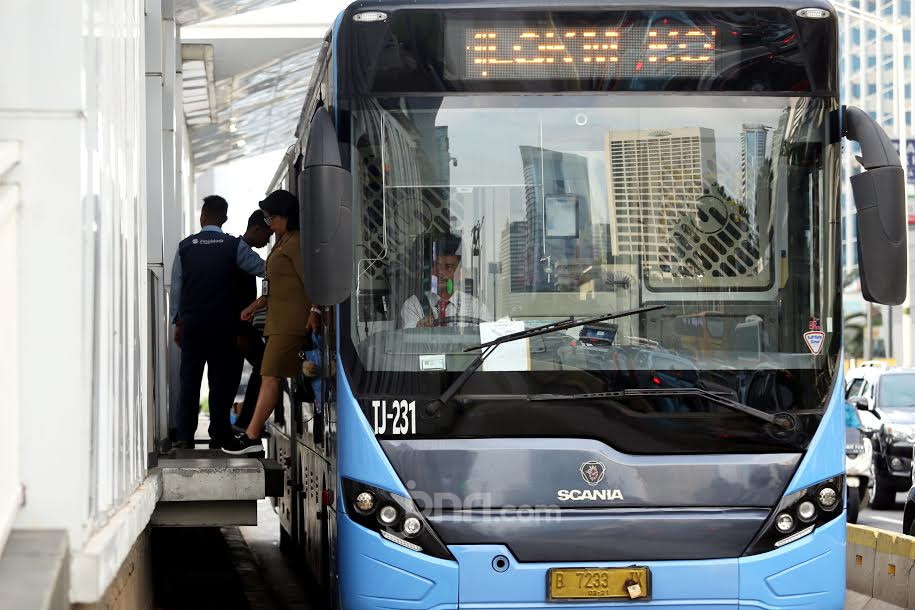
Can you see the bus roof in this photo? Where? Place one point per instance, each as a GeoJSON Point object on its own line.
{"type": "Point", "coordinates": [579, 5]}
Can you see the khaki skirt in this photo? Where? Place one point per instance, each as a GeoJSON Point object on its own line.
{"type": "Point", "coordinates": [281, 356]}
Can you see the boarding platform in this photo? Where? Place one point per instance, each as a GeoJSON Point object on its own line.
{"type": "Point", "coordinates": [206, 487]}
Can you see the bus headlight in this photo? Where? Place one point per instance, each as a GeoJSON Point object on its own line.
{"type": "Point", "coordinates": [799, 514]}
{"type": "Point", "coordinates": [365, 502]}
{"type": "Point", "coordinates": [784, 523]}
{"type": "Point", "coordinates": [827, 497]}
{"type": "Point", "coordinates": [395, 518]}
{"type": "Point", "coordinates": [806, 511]}
{"type": "Point", "coordinates": [412, 526]}
{"type": "Point", "coordinates": [387, 515]}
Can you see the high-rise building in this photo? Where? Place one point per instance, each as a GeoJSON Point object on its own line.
{"type": "Point", "coordinates": [869, 80]}
{"type": "Point", "coordinates": [558, 208]}
{"type": "Point", "coordinates": [876, 74]}
{"type": "Point", "coordinates": [657, 176]}
{"type": "Point", "coordinates": [754, 167]}
{"type": "Point", "coordinates": [514, 261]}
{"type": "Point", "coordinates": [602, 234]}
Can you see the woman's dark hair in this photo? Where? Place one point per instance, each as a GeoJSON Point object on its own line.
{"type": "Point", "coordinates": [282, 203]}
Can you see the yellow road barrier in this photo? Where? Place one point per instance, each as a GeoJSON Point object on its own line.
{"type": "Point", "coordinates": [878, 569]}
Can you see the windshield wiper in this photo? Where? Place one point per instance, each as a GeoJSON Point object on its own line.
{"type": "Point", "coordinates": [433, 407]}
{"type": "Point", "coordinates": [782, 420]}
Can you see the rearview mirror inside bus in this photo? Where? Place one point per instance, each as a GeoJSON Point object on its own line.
{"type": "Point", "coordinates": [879, 193]}
{"type": "Point", "coordinates": [325, 210]}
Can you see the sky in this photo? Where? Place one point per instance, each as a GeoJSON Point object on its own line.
{"type": "Point", "coordinates": [243, 183]}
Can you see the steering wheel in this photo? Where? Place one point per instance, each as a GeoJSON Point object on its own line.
{"type": "Point", "coordinates": [457, 320]}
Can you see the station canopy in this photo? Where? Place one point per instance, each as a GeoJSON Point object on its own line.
{"type": "Point", "coordinates": [246, 67]}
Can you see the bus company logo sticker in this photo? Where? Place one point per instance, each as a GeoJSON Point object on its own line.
{"type": "Point", "coordinates": [592, 472]}
{"type": "Point", "coordinates": [583, 495]}
{"type": "Point", "coordinates": [814, 340]}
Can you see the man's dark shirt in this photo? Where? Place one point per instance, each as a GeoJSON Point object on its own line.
{"type": "Point", "coordinates": [246, 291]}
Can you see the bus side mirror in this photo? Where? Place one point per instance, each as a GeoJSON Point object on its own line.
{"type": "Point", "coordinates": [879, 193]}
{"type": "Point", "coordinates": [326, 215]}
{"type": "Point", "coordinates": [862, 403]}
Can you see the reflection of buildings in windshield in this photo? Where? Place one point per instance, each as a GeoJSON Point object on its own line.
{"type": "Point", "coordinates": [671, 210]}
{"type": "Point", "coordinates": [754, 170]}
{"type": "Point", "coordinates": [655, 177]}
{"type": "Point", "coordinates": [558, 210]}
{"type": "Point", "coordinates": [553, 257]}
{"type": "Point", "coordinates": [514, 262]}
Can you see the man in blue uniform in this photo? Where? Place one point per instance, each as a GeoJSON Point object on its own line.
{"type": "Point", "coordinates": [204, 308]}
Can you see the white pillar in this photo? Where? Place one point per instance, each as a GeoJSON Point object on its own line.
{"type": "Point", "coordinates": [10, 202]}
{"type": "Point", "coordinates": [42, 106]}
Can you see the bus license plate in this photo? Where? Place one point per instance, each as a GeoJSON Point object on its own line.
{"type": "Point", "coordinates": [598, 583]}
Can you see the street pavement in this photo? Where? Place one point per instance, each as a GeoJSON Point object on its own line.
{"type": "Point", "coordinates": [890, 520]}
{"type": "Point", "coordinates": [281, 574]}
{"type": "Point", "coordinates": [230, 568]}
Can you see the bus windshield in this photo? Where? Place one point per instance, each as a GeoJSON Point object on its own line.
{"type": "Point", "coordinates": [484, 216]}
{"type": "Point", "coordinates": [481, 216]}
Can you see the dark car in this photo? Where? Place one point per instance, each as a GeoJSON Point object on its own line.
{"type": "Point", "coordinates": [597, 336]}
{"type": "Point", "coordinates": [889, 396]}
{"type": "Point", "coordinates": [859, 464]}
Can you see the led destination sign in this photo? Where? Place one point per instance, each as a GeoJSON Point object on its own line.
{"type": "Point", "coordinates": [656, 51]}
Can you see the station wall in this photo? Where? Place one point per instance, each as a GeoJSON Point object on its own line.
{"type": "Point", "coordinates": [76, 335]}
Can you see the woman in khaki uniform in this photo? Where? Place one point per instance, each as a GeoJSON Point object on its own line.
{"type": "Point", "coordinates": [290, 316]}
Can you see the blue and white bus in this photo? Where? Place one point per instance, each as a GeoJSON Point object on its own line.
{"type": "Point", "coordinates": [580, 267]}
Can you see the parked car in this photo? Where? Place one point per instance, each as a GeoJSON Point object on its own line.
{"type": "Point", "coordinates": [885, 397]}
{"type": "Point", "coordinates": [859, 465]}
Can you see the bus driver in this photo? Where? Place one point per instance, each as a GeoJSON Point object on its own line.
{"type": "Point", "coordinates": [444, 305]}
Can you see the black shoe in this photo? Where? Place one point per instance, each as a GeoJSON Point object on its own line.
{"type": "Point", "coordinates": [240, 444]}
{"type": "Point", "coordinates": [242, 429]}
{"type": "Point", "coordinates": [214, 444]}
{"type": "Point", "coordinates": [183, 445]}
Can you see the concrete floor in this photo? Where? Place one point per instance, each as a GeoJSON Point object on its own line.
{"type": "Point", "coordinates": [281, 574]}
{"type": "Point", "coordinates": [226, 568]}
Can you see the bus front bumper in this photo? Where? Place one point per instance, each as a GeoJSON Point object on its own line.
{"type": "Point", "coordinates": [375, 574]}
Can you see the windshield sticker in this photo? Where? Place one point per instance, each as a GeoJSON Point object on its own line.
{"type": "Point", "coordinates": [512, 356]}
{"type": "Point", "coordinates": [815, 340]}
{"type": "Point", "coordinates": [432, 362]}
{"type": "Point", "coordinates": [814, 324]}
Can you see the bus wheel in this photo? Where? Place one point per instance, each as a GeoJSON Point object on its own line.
{"type": "Point", "coordinates": [884, 493]}
{"type": "Point", "coordinates": [329, 585]}
{"type": "Point", "coordinates": [854, 504]}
